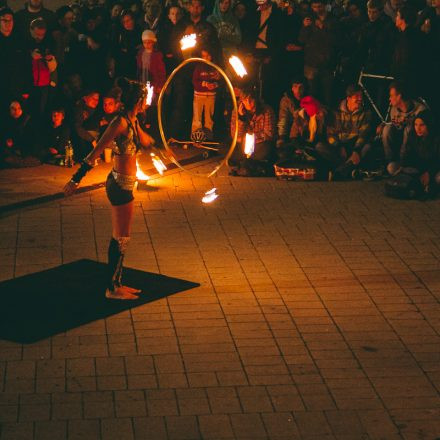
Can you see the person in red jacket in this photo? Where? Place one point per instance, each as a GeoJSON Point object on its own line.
{"type": "Point", "coordinates": [150, 64]}
{"type": "Point", "coordinates": [205, 82]}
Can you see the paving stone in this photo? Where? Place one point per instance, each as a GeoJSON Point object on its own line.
{"type": "Point", "coordinates": [215, 426]}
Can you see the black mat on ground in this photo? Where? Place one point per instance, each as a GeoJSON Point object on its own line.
{"type": "Point", "coordinates": [43, 304]}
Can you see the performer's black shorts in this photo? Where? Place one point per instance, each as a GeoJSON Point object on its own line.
{"type": "Point", "coordinates": [116, 195]}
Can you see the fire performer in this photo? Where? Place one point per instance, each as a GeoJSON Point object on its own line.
{"type": "Point", "coordinates": [125, 137]}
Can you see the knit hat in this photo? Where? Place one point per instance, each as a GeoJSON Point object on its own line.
{"type": "Point", "coordinates": [148, 35]}
{"type": "Point", "coordinates": [6, 11]}
{"type": "Point", "coordinates": [310, 105]}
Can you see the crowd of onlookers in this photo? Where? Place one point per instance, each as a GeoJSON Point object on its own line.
{"type": "Point", "coordinates": [59, 70]}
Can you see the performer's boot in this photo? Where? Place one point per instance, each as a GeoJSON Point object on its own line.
{"type": "Point", "coordinates": [115, 289]}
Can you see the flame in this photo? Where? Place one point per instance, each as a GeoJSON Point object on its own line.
{"type": "Point", "coordinates": [158, 164]}
{"type": "Point", "coordinates": [249, 144]}
{"type": "Point", "coordinates": [238, 66]}
{"type": "Point", "coordinates": [210, 196]}
{"type": "Point", "coordinates": [140, 175]}
{"type": "Point", "coordinates": [188, 41]}
{"type": "Point", "coordinates": [150, 93]}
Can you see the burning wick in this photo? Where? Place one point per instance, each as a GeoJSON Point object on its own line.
{"type": "Point", "coordinates": [158, 164]}
{"type": "Point", "coordinates": [249, 145]}
{"type": "Point", "coordinates": [140, 175]}
{"type": "Point", "coordinates": [150, 93]}
{"type": "Point", "coordinates": [188, 41]}
{"type": "Point", "coordinates": [210, 196]}
{"type": "Point", "coordinates": [238, 66]}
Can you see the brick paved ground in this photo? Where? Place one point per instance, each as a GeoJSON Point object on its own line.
{"type": "Point", "coordinates": [318, 317]}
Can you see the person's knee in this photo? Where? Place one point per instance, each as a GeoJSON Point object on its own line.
{"type": "Point", "coordinates": [437, 179]}
{"type": "Point", "coordinates": [393, 168]}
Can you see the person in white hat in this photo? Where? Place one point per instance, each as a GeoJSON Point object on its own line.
{"type": "Point", "coordinates": [150, 64]}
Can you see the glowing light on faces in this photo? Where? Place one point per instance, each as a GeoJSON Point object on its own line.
{"type": "Point", "coordinates": [238, 66]}
{"type": "Point", "coordinates": [210, 196]}
{"type": "Point", "coordinates": [140, 175]}
{"type": "Point", "coordinates": [158, 164]}
{"type": "Point", "coordinates": [249, 144]}
{"type": "Point", "coordinates": [188, 41]}
{"type": "Point", "coordinates": [150, 93]}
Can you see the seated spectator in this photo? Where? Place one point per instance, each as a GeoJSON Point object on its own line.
{"type": "Point", "coordinates": [56, 137]}
{"type": "Point", "coordinates": [301, 121]}
{"type": "Point", "coordinates": [205, 82]}
{"type": "Point", "coordinates": [227, 26]}
{"type": "Point", "coordinates": [17, 147]}
{"type": "Point", "coordinates": [150, 64]}
{"type": "Point", "coordinates": [421, 155]}
{"type": "Point", "coordinates": [85, 129]}
{"type": "Point", "coordinates": [349, 135]}
{"type": "Point", "coordinates": [402, 113]}
{"type": "Point", "coordinates": [258, 118]}
{"type": "Point", "coordinates": [110, 108]}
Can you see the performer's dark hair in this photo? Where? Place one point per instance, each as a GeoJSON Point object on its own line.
{"type": "Point", "coordinates": [132, 92]}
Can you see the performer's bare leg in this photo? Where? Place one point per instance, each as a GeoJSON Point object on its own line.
{"type": "Point", "coordinates": [122, 216]}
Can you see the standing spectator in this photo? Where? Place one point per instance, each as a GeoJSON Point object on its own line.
{"type": "Point", "coordinates": [258, 118]}
{"type": "Point", "coordinates": [86, 129]}
{"type": "Point", "coordinates": [293, 55]}
{"type": "Point", "coordinates": [391, 7]}
{"type": "Point", "coordinates": [150, 64]}
{"type": "Point", "coordinates": [91, 51]}
{"type": "Point", "coordinates": [205, 31]}
{"type": "Point", "coordinates": [375, 49]}
{"type": "Point", "coordinates": [349, 135]}
{"type": "Point", "coordinates": [319, 35]}
{"type": "Point", "coordinates": [153, 15]}
{"type": "Point", "coordinates": [169, 36]}
{"type": "Point", "coordinates": [43, 64]}
{"type": "Point", "coordinates": [409, 58]}
{"type": "Point", "coordinates": [267, 49]}
{"type": "Point", "coordinates": [124, 47]}
{"type": "Point", "coordinates": [33, 9]}
{"type": "Point", "coordinates": [205, 82]}
{"type": "Point", "coordinates": [402, 113]}
{"type": "Point", "coordinates": [14, 79]}
{"type": "Point", "coordinates": [65, 37]}
{"type": "Point", "coordinates": [228, 28]}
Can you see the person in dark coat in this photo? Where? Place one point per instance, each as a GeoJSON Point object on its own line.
{"type": "Point", "coordinates": [14, 79]}
{"type": "Point", "coordinates": [33, 9]}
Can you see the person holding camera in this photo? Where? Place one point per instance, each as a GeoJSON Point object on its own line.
{"type": "Point", "coordinates": [44, 68]}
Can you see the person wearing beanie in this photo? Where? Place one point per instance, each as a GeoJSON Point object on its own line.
{"type": "Point", "coordinates": [301, 121]}
{"type": "Point", "coordinates": [150, 64]}
{"type": "Point", "coordinates": [349, 135]}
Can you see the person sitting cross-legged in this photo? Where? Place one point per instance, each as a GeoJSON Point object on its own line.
{"type": "Point", "coordinates": [349, 135]}
{"type": "Point", "coordinates": [421, 156]}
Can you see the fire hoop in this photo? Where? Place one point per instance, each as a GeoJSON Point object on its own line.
{"type": "Point", "coordinates": [159, 116]}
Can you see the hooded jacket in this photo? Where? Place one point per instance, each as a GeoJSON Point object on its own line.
{"type": "Point", "coordinates": [227, 26]}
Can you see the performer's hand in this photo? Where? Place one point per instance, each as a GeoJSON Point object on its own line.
{"type": "Point", "coordinates": [69, 188]}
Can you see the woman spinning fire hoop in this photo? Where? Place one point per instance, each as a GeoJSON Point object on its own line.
{"type": "Point", "coordinates": [125, 137]}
